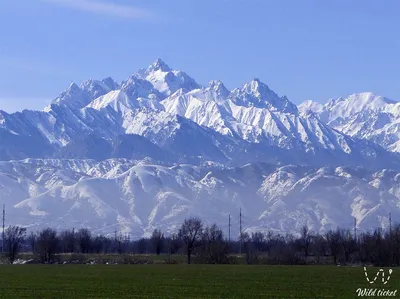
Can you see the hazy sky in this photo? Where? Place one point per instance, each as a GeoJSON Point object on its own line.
{"type": "Point", "coordinates": [303, 49]}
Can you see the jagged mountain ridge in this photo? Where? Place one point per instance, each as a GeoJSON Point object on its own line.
{"type": "Point", "coordinates": [364, 116]}
{"type": "Point", "coordinates": [175, 114]}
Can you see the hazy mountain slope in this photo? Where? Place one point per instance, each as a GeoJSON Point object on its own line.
{"type": "Point", "coordinates": [137, 199]}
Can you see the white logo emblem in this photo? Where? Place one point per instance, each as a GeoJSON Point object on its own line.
{"type": "Point", "coordinates": [377, 274]}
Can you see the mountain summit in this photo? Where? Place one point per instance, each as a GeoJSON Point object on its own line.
{"type": "Point", "coordinates": [257, 94]}
{"type": "Point", "coordinates": [159, 65]}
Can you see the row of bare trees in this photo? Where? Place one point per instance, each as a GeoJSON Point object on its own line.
{"type": "Point", "coordinates": [208, 244]}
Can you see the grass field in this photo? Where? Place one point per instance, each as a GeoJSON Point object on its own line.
{"type": "Point", "coordinates": [185, 281]}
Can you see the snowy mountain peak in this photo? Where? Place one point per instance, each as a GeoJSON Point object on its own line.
{"type": "Point", "coordinates": [336, 110]}
{"type": "Point", "coordinates": [95, 88]}
{"type": "Point", "coordinates": [259, 89]}
{"type": "Point", "coordinates": [73, 97]}
{"type": "Point", "coordinates": [219, 88]}
{"type": "Point", "coordinates": [310, 106]}
{"type": "Point", "coordinates": [256, 85]}
{"type": "Point", "coordinates": [165, 80]}
{"type": "Point", "coordinates": [257, 94]}
{"type": "Point", "coordinates": [73, 88]}
{"type": "Point", "coordinates": [362, 100]}
{"type": "Point", "coordinates": [370, 96]}
{"type": "Point", "coordinates": [159, 65]}
{"type": "Point", "coordinates": [136, 87]}
{"type": "Point", "coordinates": [110, 83]}
{"type": "Point", "coordinates": [215, 83]}
{"type": "Point", "coordinates": [77, 97]}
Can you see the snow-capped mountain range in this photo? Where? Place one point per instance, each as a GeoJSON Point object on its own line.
{"type": "Point", "coordinates": [151, 150]}
{"type": "Point", "coordinates": [364, 116]}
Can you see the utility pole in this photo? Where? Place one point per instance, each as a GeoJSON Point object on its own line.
{"type": "Point", "coordinates": [2, 237]}
{"type": "Point", "coordinates": [390, 239]}
{"type": "Point", "coordinates": [229, 230]}
{"type": "Point", "coordinates": [240, 230]}
{"type": "Point", "coordinates": [116, 245]}
{"type": "Point", "coordinates": [74, 240]}
{"type": "Point", "coordinates": [355, 229]}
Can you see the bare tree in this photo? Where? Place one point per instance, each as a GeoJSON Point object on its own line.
{"type": "Point", "coordinates": [84, 239]}
{"type": "Point", "coordinates": [289, 254]}
{"type": "Point", "coordinates": [46, 244]}
{"type": "Point", "coordinates": [251, 253]}
{"type": "Point", "coordinates": [119, 243]}
{"type": "Point", "coordinates": [157, 240]}
{"type": "Point", "coordinates": [258, 241]}
{"type": "Point", "coordinates": [142, 245]}
{"type": "Point", "coordinates": [32, 241]}
{"type": "Point", "coordinates": [319, 245]}
{"type": "Point", "coordinates": [190, 232]}
{"type": "Point", "coordinates": [214, 247]}
{"type": "Point", "coordinates": [333, 240]}
{"type": "Point", "coordinates": [174, 244]}
{"type": "Point", "coordinates": [101, 244]}
{"type": "Point", "coordinates": [395, 241]}
{"type": "Point", "coordinates": [68, 241]}
{"type": "Point", "coordinates": [349, 244]}
{"type": "Point", "coordinates": [305, 240]}
{"type": "Point", "coordinates": [375, 248]}
{"type": "Point", "coordinates": [13, 238]}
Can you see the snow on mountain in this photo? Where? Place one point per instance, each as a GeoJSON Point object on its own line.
{"type": "Point", "coordinates": [97, 88]}
{"type": "Point", "coordinates": [136, 87]}
{"type": "Point", "coordinates": [139, 198]}
{"type": "Point", "coordinates": [257, 115]}
{"type": "Point", "coordinates": [339, 109]}
{"type": "Point", "coordinates": [257, 94]}
{"type": "Point", "coordinates": [378, 126]}
{"type": "Point", "coordinates": [166, 80]}
{"type": "Point", "coordinates": [327, 196]}
{"type": "Point", "coordinates": [202, 107]}
{"type": "Point", "coordinates": [159, 147]}
{"type": "Point", "coordinates": [364, 115]}
{"type": "Point", "coordinates": [310, 106]}
{"type": "Point", "coordinates": [253, 112]}
{"type": "Point", "coordinates": [194, 123]}
{"type": "Point", "coordinates": [79, 96]}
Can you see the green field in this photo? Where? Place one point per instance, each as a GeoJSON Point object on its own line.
{"type": "Point", "coordinates": [185, 281]}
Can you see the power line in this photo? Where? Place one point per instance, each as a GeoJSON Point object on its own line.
{"type": "Point", "coordinates": [229, 230]}
{"type": "Point", "coordinates": [355, 228]}
{"type": "Point", "coordinates": [390, 239]}
{"type": "Point", "coordinates": [2, 238]}
{"type": "Point", "coordinates": [240, 228]}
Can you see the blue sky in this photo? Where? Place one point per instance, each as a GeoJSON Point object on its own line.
{"type": "Point", "coordinates": [303, 49]}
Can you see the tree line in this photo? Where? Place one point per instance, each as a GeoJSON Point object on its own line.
{"type": "Point", "coordinates": [208, 244]}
